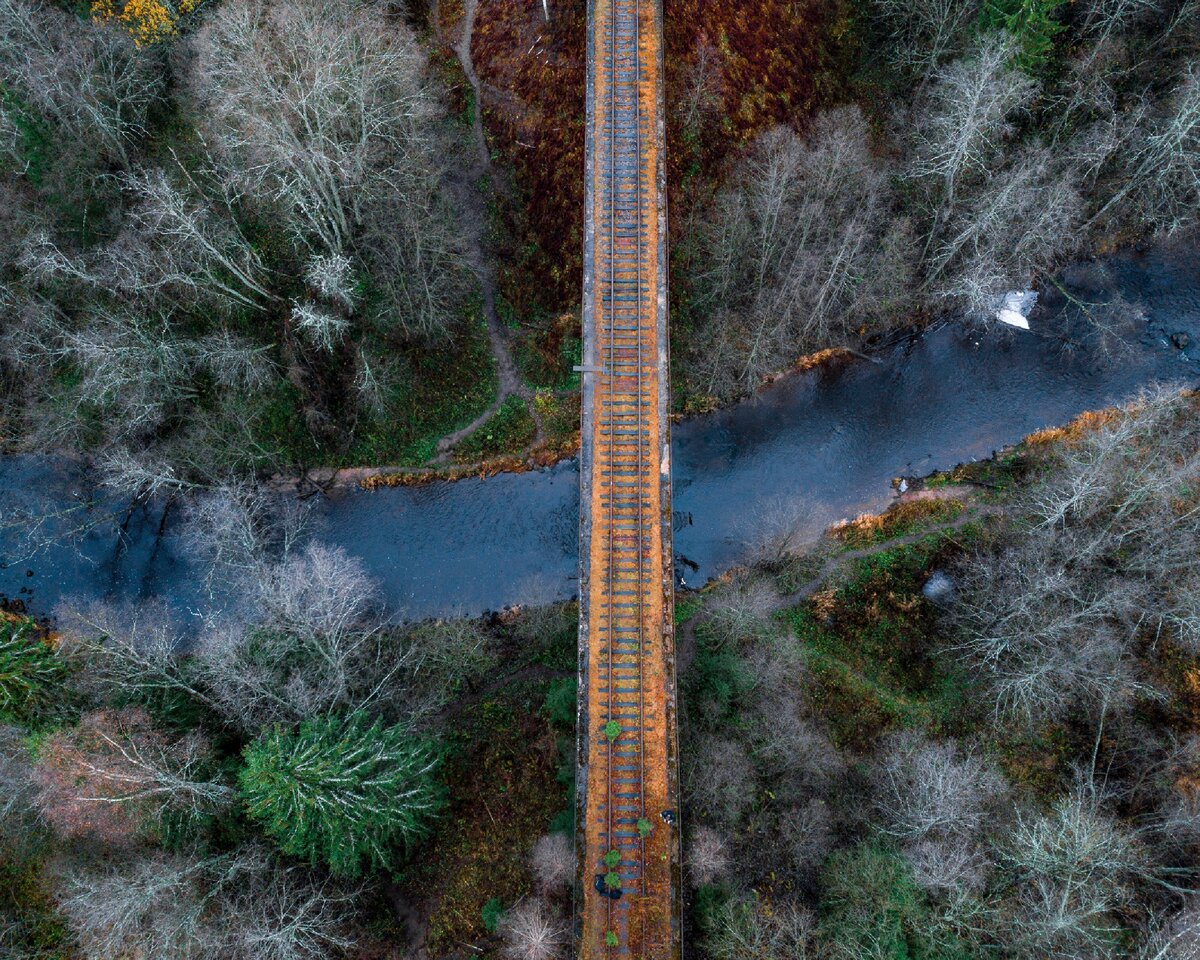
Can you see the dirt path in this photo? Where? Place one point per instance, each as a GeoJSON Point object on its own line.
{"type": "Point", "coordinates": [466, 187]}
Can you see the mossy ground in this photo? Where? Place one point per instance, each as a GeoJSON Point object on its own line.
{"type": "Point", "coordinates": [870, 645]}
{"type": "Point", "coordinates": [27, 901]}
{"type": "Point", "coordinates": [504, 795]}
{"type": "Point", "coordinates": [509, 431]}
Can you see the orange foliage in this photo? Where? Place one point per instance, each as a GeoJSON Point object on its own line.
{"type": "Point", "coordinates": [535, 118]}
{"type": "Point", "coordinates": [93, 780]}
{"type": "Point", "coordinates": [147, 21]}
{"type": "Point", "coordinates": [771, 56]}
{"type": "Point", "coordinates": [1083, 424]}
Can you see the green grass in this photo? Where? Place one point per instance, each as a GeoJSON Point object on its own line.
{"type": "Point", "coordinates": [546, 348]}
{"type": "Point", "coordinates": [560, 416]}
{"type": "Point", "coordinates": [441, 390]}
{"type": "Point", "coordinates": [509, 432]}
{"type": "Point", "coordinates": [871, 646]}
{"type": "Point", "coordinates": [687, 607]}
{"type": "Point", "coordinates": [998, 474]}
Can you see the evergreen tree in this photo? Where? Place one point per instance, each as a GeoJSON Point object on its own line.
{"type": "Point", "coordinates": [1032, 23]}
{"type": "Point", "coordinates": [342, 791]}
{"type": "Point", "coordinates": [29, 669]}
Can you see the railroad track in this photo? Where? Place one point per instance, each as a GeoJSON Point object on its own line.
{"type": "Point", "coordinates": [627, 818]}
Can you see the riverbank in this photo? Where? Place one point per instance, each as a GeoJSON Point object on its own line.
{"type": "Point", "coordinates": [546, 453]}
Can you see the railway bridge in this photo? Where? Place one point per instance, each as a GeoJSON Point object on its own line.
{"type": "Point", "coordinates": [627, 823]}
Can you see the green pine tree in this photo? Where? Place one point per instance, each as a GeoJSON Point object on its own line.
{"type": "Point", "coordinates": [1033, 24]}
{"type": "Point", "coordinates": [342, 791]}
{"type": "Point", "coordinates": [29, 669]}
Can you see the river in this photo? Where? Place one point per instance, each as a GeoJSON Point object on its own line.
{"type": "Point", "coordinates": [809, 450]}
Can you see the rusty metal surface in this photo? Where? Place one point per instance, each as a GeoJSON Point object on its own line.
{"type": "Point", "coordinates": [627, 836]}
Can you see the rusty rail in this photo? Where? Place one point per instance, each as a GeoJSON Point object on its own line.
{"type": "Point", "coordinates": [627, 815]}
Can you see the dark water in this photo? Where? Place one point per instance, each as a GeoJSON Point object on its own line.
{"type": "Point", "coordinates": [813, 449]}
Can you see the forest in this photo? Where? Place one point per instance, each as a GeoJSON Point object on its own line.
{"type": "Point", "coordinates": [246, 238]}
{"type": "Point", "coordinates": [966, 727]}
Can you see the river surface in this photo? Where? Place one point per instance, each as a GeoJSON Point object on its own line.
{"type": "Point", "coordinates": [808, 451]}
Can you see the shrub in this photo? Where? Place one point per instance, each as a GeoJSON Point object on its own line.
{"type": "Point", "coordinates": [491, 913]}
{"type": "Point", "coordinates": [872, 908]}
{"type": "Point", "coordinates": [716, 681]}
{"type": "Point", "coordinates": [561, 698]}
{"type": "Point", "coordinates": [341, 792]}
{"type": "Point", "coordinates": [553, 862]}
{"type": "Point", "coordinates": [532, 932]}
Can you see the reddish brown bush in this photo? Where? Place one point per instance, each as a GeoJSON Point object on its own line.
{"type": "Point", "coordinates": [113, 776]}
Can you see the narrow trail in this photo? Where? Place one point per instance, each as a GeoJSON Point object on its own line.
{"type": "Point", "coordinates": [473, 215]}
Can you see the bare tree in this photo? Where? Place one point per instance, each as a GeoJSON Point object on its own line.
{"type": "Point", "coordinates": [239, 528]}
{"type": "Point", "coordinates": [703, 90]}
{"type": "Point", "coordinates": [1160, 164]}
{"type": "Point", "coordinates": [240, 906]}
{"type": "Point", "coordinates": [323, 327]}
{"type": "Point", "coordinates": [115, 776]}
{"type": "Point", "coordinates": [318, 104]}
{"type": "Point", "coordinates": [924, 789]}
{"type": "Point", "coordinates": [1100, 19]}
{"type": "Point", "coordinates": [314, 641]}
{"type": "Point", "coordinates": [799, 249]}
{"type": "Point", "coordinates": [90, 81]}
{"type": "Point", "coordinates": [284, 912]}
{"type": "Point", "coordinates": [1017, 223]}
{"type": "Point", "coordinates": [948, 866]}
{"type": "Point", "coordinates": [553, 863]}
{"type": "Point", "coordinates": [924, 33]}
{"type": "Point", "coordinates": [1175, 937]}
{"type": "Point", "coordinates": [708, 860]}
{"type": "Point", "coordinates": [1073, 867]}
{"type": "Point", "coordinates": [323, 109]}
{"type": "Point", "coordinates": [809, 835]}
{"type": "Point", "coordinates": [17, 788]}
{"type": "Point", "coordinates": [742, 929]}
{"type": "Point", "coordinates": [332, 277]}
{"type": "Point", "coordinates": [739, 613]}
{"type": "Point", "coordinates": [971, 106]}
{"type": "Point", "coordinates": [1051, 619]}
{"type": "Point", "coordinates": [130, 650]}
{"type": "Point", "coordinates": [720, 779]}
{"type": "Point", "coordinates": [445, 654]}
{"type": "Point", "coordinates": [178, 243]}
{"type": "Point", "coordinates": [532, 931]}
